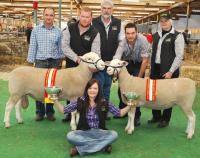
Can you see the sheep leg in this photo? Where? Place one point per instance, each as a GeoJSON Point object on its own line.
{"type": "Point", "coordinates": [18, 112]}
{"type": "Point", "coordinates": [191, 124]}
{"type": "Point", "coordinates": [131, 114]}
{"type": "Point", "coordinates": [191, 120]}
{"type": "Point", "coordinates": [9, 106]}
{"type": "Point", "coordinates": [77, 117]}
{"type": "Point", "coordinates": [73, 121]}
{"type": "Point", "coordinates": [129, 121]}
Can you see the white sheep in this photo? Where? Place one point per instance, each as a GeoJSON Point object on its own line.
{"type": "Point", "coordinates": [180, 91]}
{"type": "Point", "coordinates": [24, 81]}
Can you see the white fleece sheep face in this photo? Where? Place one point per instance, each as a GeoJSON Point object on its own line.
{"type": "Point", "coordinates": [115, 66]}
{"type": "Point", "coordinates": [94, 58]}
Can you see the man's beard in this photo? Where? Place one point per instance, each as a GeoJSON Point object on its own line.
{"type": "Point", "coordinates": [84, 26]}
{"type": "Point", "coordinates": [106, 16]}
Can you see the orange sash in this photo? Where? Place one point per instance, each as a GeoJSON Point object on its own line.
{"type": "Point", "coordinates": [49, 82]}
{"type": "Point", "coordinates": [150, 90]}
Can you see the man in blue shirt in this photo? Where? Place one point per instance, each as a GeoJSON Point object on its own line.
{"type": "Point", "coordinates": [45, 52]}
{"type": "Point", "coordinates": [133, 49]}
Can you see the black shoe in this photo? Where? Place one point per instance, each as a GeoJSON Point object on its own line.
{"type": "Point", "coordinates": [39, 117]}
{"type": "Point", "coordinates": [67, 118]}
{"type": "Point", "coordinates": [152, 121]}
{"type": "Point", "coordinates": [51, 118]}
{"type": "Point", "coordinates": [137, 122]}
{"type": "Point", "coordinates": [163, 124]}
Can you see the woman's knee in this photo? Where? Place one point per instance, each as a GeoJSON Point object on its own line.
{"type": "Point", "coordinates": [70, 136]}
{"type": "Point", "coordinates": [114, 135]}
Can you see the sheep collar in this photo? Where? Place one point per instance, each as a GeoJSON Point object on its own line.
{"type": "Point", "coordinates": [94, 63]}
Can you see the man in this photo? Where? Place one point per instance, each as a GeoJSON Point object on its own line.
{"type": "Point", "coordinates": [167, 55]}
{"type": "Point", "coordinates": [80, 38]}
{"type": "Point", "coordinates": [110, 31]}
{"type": "Point", "coordinates": [45, 52]}
{"type": "Point", "coordinates": [133, 49]}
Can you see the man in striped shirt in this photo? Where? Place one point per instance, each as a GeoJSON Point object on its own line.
{"type": "Point", "coordinates": [45, 52]}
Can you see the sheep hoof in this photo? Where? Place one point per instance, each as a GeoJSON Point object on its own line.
{"type": "Point", "coordinates": [130, 131]}
{"type": "Point", "coordinates": [20, 122]}
{"type": "Point", "coordinates": [126, 129]}
{"type": "Point", "coordinates": [73, 128]}
{"type": "Point", "coordinates": [189, 136]}
{"type": "Point", "coordinates": [7, 125]}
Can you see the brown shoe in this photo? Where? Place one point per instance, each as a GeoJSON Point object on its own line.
{"type": "Point", "coordinates": [51, 117]}
{"type": "Point", "coordinates": [73, 151]}
{"type": "Point", "coordinates": [108, 149]}
{"type": "Point", "coordinates": [39, 117]}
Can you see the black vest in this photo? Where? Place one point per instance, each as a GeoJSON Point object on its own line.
{"type": "Point", "coordinates": [167, 54]}
{"type": "Point", "coordinates": [80, 44]}
{"type": "Point", "coordinates": [108, 44]}
{"type": "Point", "coordinates": [82, 109]}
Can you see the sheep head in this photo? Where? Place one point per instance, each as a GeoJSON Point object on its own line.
{"type": "Point", "coordinates": [114, 67]}
{"type": "Point", "coordinates": [93, 61]}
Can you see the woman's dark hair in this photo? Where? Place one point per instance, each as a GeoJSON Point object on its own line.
{"type": "Point", "coordinates": [99, 95]}
{"type": "Point", "coordinates": [130, 25]}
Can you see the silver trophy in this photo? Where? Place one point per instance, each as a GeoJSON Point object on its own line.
{"type": "Point", "coordinates": [131, 97]}
{"type": "Point", "coordinates": [53, 92]}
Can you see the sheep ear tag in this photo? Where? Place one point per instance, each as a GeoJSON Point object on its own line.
{"type": "Point", "coordinates": [49, 82]}
{"type": "Point", "coordinates": [150, 90]}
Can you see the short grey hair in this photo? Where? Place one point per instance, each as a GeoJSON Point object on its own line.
{"type": "Point", "coordinates": [107, 2]}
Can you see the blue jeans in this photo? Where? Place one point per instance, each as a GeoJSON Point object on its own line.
{"type": "Point", "coordinates": [48, 63]}
{"type": "Point", "coordinates": [105, 82]}
{"type": "Point", "coordinates": [92, 140]}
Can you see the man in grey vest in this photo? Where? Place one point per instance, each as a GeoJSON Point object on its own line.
{"type": "Point", "coordinates": [111, 34]}
{"type": "Point", "coordinates": [167, 55]}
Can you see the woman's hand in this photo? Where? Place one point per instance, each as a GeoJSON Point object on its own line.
{"type": "Point", "coordinates": [130, 103]}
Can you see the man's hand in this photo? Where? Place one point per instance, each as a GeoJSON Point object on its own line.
{"type": "Point", "coordinates": [93, 70]}
{"type": "Point", "coordinates": [167, 75]}
{"type": "Point", "coordinates": [78, 60]}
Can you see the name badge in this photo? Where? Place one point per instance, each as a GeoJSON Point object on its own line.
{"type": "Point", "coordinates": [114, 28]}
{"type": "Point", "coordinates": [168, 40]}
{"type": "Point", "coordinates": [87, 38]}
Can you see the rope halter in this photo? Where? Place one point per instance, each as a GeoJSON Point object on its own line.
{"type": "Point", "coordinates": [117, 72]}
{"type": "Point", "coordinates": [93, 63]}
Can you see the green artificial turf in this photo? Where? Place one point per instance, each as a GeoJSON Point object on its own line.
{"type": "Point", "coordinates": [47, 139]}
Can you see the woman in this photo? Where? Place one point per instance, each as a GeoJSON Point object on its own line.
{"type": "Point", "coordinates": [91, 134]}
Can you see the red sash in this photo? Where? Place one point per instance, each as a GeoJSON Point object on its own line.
{"type": "Point", "coordinates": [49, 82]}
{"type": "Point", "coordinates": [150, 90]}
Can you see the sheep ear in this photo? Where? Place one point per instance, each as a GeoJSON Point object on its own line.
{"type": "Point", "coordinates": [125, 63]}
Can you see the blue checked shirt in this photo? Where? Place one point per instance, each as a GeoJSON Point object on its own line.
{"type": "Point", "coordinates": [45, 43]}
{"type": "Point", "coordinates": [92, 116]}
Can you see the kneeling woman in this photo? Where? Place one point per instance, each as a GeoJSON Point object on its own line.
{"type": "Point", "coordinates": [91, 134]}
